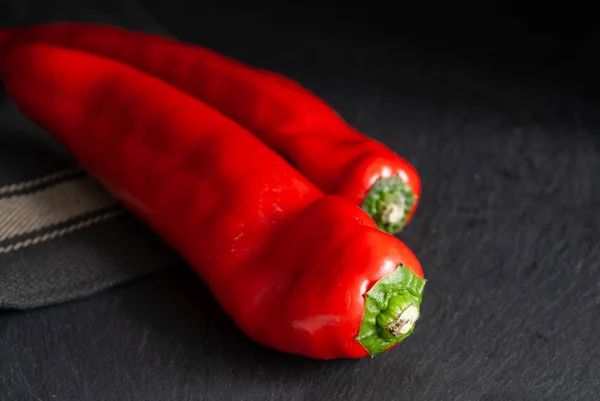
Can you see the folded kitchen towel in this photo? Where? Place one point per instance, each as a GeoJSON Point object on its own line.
{"type": "Point", "coordinates": [62, 236]}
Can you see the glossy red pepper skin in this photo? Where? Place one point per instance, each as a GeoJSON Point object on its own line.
{"type": "Point", "coordinates": [287, 117]}
{"type": "Point", "coordinates": [288, 264]}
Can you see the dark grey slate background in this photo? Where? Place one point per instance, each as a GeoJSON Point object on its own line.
{"type": "Point", "coordinates": [497, 112]}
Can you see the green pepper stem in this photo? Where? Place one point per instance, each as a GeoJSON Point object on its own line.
{"type": "Point", "coordinates": [392, 213]}
{"type": "Point", "coordinates": [404, 322]}
{"type": "Point", "coordinates": [389, 202]}
{"type": "Point", "coordinates": [391, 310]}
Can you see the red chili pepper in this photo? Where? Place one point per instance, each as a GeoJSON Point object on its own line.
{"type": "Point", "coordinates": [287, 117]}
{"type": "Point", "coordinates": [296, 270]}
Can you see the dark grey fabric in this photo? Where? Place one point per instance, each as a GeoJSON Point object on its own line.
{"type": "Point", "coordinates": [507, 230]}
{"type": "Point", "coordinates": [112, 247]}
{"type": "Point", "coordinates": [53, 263]}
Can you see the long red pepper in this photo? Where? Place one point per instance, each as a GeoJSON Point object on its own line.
{"type": "Point", "coordinates": [296, 270]}
{"type": "Point", "coordinates": [287, 117]}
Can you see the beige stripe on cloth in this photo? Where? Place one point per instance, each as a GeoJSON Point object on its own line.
{"type": "Point", "coordinates": [60, 232]}
{"type": "Point", "coordinates": [67, 200]}
{"type": "Point", "coordinates": [22, 186]}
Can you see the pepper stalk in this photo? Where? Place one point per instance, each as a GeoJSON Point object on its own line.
{"type": "Point", "coordinates": [389, 202]}
{"type": "Point", "coordinates": [391, 310]}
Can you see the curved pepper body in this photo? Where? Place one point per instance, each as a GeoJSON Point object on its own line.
{"type": "Point", "coordinates": [288, 264]}
{"type": "Point", "coordinates": [287, 117]}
